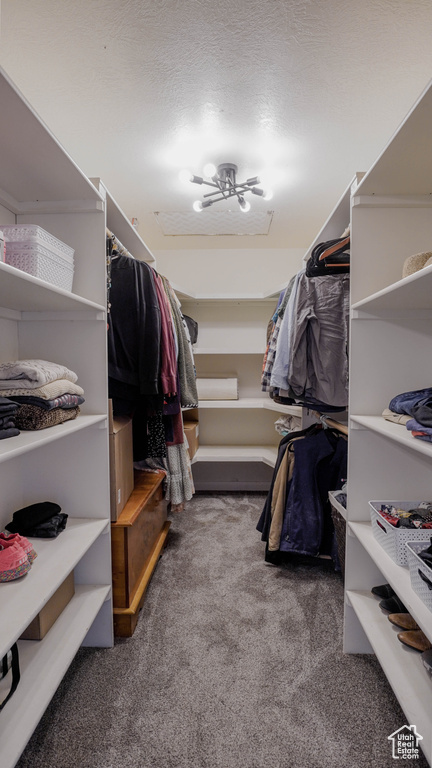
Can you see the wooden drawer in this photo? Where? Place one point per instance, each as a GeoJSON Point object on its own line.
{"type": "Point", "coordinates": [134, 535]}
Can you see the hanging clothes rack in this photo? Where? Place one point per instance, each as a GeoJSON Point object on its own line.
{"type": "Point", "coordinates": [117, 245]}
{"type": "Point", "coordinates": [326, 421]}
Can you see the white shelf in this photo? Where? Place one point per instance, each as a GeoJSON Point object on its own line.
{"type": "Point", "coordinates": [412, 293]}
{"type": "Point", "coordinates": [46, 172]}
{"type": "Point", "coordinates": [228, 351]}
{"type": "Point", "coordinates": [28, 441]}
{"type": "Point", "coordinates": [22, 599]}
{"type": "Point", "coordinates": [336, 223]}
{"type": "Point", "coordinates": [263, 453]}
{"type": "Point", "coordinates": [396, 575]}
{"type": "Point", "coordinates": [401, 665]}
{"type": "Point", "coordinates": [43, 663]}
{"type": "Point", "coordinates": [24, 293]}
{"type": "Point", "coordinates": [405, 165]}
{"type": "Point", "coordinates": [118, 223]}
{"type": "Point", "coordinates": [252, 403]}
{"type": "Point", "coordinates": [396, 432]}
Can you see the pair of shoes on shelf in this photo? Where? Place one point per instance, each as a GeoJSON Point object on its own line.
{"type": "Point", "coordinates": [415, 638]}
{"type": "Point", "coordinates": [16, 556]}
{"type": "Point", "coordinates": [403, 621]}
{"type": "Point", "coordinates": [384, 591]}
{"type": "Point", "coordinates": [389, 599]}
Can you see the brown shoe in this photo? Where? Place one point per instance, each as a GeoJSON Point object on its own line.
{"type": "Point", "coordinates": [415, 639]}
{"type": "Point", "coordinates": [403, 620]}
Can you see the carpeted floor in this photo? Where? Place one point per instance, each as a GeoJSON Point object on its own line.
{"type": "Point", "coordinates": [234, 664]}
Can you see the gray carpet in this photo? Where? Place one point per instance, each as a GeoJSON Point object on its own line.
{"type": "Point", "coordinates": [234, 664]}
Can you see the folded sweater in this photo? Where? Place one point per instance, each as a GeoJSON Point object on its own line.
{"type": "Point", "coordinates": [28, 374]}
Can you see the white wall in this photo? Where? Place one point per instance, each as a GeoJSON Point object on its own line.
{"type": "Point", "coordinates": [230, 271]}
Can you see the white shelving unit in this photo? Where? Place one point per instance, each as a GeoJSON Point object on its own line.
{"type": "Point", "coordinates": [390, 353]}
{"type": "Point", "coordinates": [237, 440]}
{"type": "Point", "coordinates": [68, 463]}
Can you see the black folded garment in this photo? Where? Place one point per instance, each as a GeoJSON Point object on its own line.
{"type": "Point", "coordinates": [28, 518]}
{"type": "Point", "coordinates": [7, 406]}
{"type": "Point", "coordinates": [10, 432]}
{"type": "Point", "coordinates": [50, 528]}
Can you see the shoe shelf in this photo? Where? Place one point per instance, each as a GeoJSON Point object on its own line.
{"type": "Point", "coordinates": [44, 662]}
{"type": "Point", "coordinates": [395, 575]}
{"type": "Point", "coordinates": [22, 599]}
{"type": "Point", "coordinates": [28, 441]}
{"type": "Point", "coordinates": [401, 665]}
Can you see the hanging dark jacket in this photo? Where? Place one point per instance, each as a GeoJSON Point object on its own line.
{"type": "Point", "coordinates": [320, 464]}
{"type": "Point", "coordinates": [134, 330]}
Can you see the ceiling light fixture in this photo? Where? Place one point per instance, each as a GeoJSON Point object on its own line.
{"type": "Point", "coordinates": [224, 180]}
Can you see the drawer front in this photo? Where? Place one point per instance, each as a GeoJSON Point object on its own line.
{"type": "Point", "coordinates": [132, 546]}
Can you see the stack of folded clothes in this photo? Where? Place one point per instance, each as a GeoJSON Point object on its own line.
{"type": "Point", "coordinates": [43, 520]}
{"type": "Point", "coordinates": [8, 411]}
{"type": "Point", "coordinates": [414, 410]}
{"type": "Point", "coordinates": [418, 517]}
{"type": "Point", "coordinates": [45, 393]}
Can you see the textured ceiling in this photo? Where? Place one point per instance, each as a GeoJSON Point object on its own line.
{"type": "Point", "coordinates": [309, 91]}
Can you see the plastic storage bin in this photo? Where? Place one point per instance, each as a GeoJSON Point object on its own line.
{"type": "Point", "coordinates": [393, 540]}
{"type": "Point", "coordinates": [37, 252]}
{"type": "Point", "coordinates": [420, 573]}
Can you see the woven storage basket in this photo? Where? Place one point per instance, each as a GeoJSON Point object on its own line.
{"type": "Point", "coordinates": [393, 539]}
{"type": "Point", "coordinates": [32, 234]}
{"type": "Point", "coordinates": [420, 573]}
{"type": "Point", "coordinates": [339, 524]}
{"type": "Point", "coordinates": [35, 251]}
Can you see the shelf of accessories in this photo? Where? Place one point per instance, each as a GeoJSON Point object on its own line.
{"type": "Point", "coordinates": [402, 666]}
{"type": "Point", "coordinates": [22, 599]}
{"type": "Point", "coordinates": [43, 663]}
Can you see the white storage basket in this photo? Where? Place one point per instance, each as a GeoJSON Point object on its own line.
{"type": "Point", "coordinates": [393, 540]}
{"type": "Point", "coordinates": [420, 573]}
{"type": "Point", "coordinates": [32, 234]}
{"type": "Point", "coordinates": [37, 252]}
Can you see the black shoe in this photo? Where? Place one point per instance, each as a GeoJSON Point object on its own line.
{"type": "Point", "coordinates": [383, 591]}
{"type": "Point", "coordinates": [393, 605]}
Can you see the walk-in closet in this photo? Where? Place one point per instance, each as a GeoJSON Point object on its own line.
{"type": "Point", "coordinates": [215, 389]}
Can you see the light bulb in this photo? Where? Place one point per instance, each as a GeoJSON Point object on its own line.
{"type": "Point", "coordinates": [185, 175]}
{"type": "Point", "coordinates": [268, 195]}
{"type": "Point", "coordinates": [245, 206]}
{"type": "Point", "coordinates": [209, 169]}
{"type": "Point", "coordinates": [197, 206]}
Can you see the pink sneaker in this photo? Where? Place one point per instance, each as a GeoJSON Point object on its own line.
{"type": "Point", "coordinates": [14, 562]}
{"type": "Point", "coordinates": [9, 538]}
